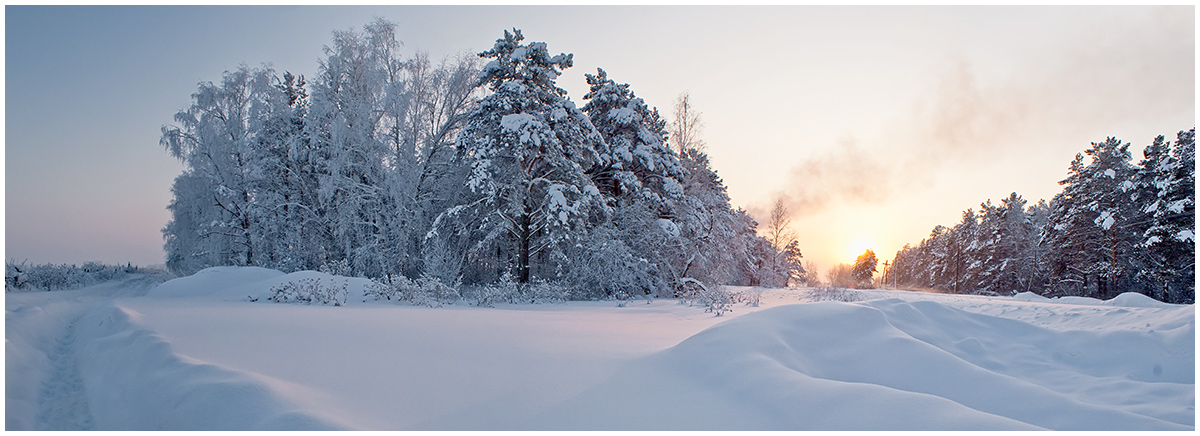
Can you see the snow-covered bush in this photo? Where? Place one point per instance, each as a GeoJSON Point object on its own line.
{"type": "Point", "coordinates": [424, 291]}
{"type": "Point", "coordinates": [830, 293]}
{"type": "Point", "coordinates": [309, 291]}
{"type": "Point", "coordinates": [752, 297]}
{"type": "Point", "coordinates": [488, 296]}
{"type": "Point", "coordinates": [544, 292]}
{"type": "Point", "coordinates": [715, 299]}
{"type": "Point", "coordinates": [508, 290]}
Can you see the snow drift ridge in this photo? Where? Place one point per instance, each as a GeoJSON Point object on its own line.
{"type": "Point", "coordinates": [136, 382]}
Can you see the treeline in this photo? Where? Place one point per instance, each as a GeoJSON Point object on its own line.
{"type": "Point", "coordinates": [1116, 227]}
{"type": "Point", "coordinates": [384, 166]}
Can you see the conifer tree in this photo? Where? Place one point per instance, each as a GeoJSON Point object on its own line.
{"type": "Point", "coordinates": [1168, 242]}
{"type": "Point", "coordinates": [527, 148]}
{"type": "Point", "coordinates": [864, 268]}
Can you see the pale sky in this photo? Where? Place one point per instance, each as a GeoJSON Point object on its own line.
{"type": "Point", "coordinates": [877, 123]}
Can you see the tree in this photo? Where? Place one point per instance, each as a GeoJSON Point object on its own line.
{"type": "Point", "coordinates": [785, 259]}
{"type": "Point", "coordinates": [215, 140]}
{"type": "Point", "coordinates": [1102, 235]}
{"type": "Point", "coordinates": [1092, 222]}
{"type": "Point", "coordinates": [687, 125]}
{"type": "Point", "coordinates": [527, 147]}
{"type": "Point", "coordinates": [717, 242]}
{"type": "Point", "coordinates": [864, 268]}
{"type": "Point", "coordinates": [1167, 176]}
{"type": "Point", "coordinates": [638, 175]}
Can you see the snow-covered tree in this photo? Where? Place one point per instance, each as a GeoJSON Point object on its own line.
{"type": "Point", "coordinates": [1091, 228]}
{"type": "Point", "coordinates": [1102, 235]}
{"type": "Point", "coordinates": [1167, 178]}
{"type": "Point", "coordinates": [215, 140]}
{"type": "Point", "coordinates": [528, 148]}
{"type": "Point", "coordinates": [354, 81]}
{"type": "Point", "coordinates": [864, 268]}
{"type": "Point", "coordinates": [784, 260]}
{"type": "Point", "coordinates": [638, 175]}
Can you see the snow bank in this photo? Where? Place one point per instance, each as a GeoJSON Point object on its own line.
{"type": "Point", "coordinates": [1126, 299]}
{"type": "Point", "coordinates": [222, 282]}
{"type": "Point", "coordinates": [136, 382]}
{"type": "Point", "coordinates": [1029, 296]}
{"type": "Point", "coordinates": [1134, 299]}
{"type": "Point", "coordinates": [896, 365]}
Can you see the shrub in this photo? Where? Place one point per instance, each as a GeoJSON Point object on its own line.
{"type": "Point", "coordinates": [752, 297]}
{"type": "Point", "coordinates": [716, 300]}
{"type": "Point", "coordinates": [309, 291]}
{"type": "Point", "coordinates": [830, 293]}
{"type": "Point", "coordinates": [424, 291]}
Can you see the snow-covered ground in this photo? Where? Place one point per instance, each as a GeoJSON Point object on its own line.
{"type": "Point", "coordinates": [195, 353]}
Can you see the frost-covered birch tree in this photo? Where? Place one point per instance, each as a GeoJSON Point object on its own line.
{"type": "Point", "coordinates": [214, 217]}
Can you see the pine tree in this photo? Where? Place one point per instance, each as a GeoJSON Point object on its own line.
{"type": "Point", "coordinates": [1092, 224]}
{"type": "Point", "coordinates": [527, 148]}
{"type": "Point", "coordinates": [638, 175]}
{"type": "Point", "coordinates": [1168, 243]}
{"type": "Point", "coordinates": [864, 268]}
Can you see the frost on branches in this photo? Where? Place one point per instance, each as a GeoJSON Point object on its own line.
{"type": "Point", "coordinates": [434, 177]}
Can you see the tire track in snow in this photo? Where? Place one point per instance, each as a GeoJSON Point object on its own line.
{"type": "Point", "coordinates": [63, 404]}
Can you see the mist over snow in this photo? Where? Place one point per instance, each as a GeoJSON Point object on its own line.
{"type": "Point", "coordinates": [195, 353]}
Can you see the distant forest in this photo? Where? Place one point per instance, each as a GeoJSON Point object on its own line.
{"type": "Point", "coordinates": [1115, 227]}
{"type": "Point", "coordinates": [460, 172]}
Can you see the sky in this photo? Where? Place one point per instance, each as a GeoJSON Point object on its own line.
{"type": "Point", "coordinates": [875, 124]}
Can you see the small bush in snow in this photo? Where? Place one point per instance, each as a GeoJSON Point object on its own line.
{"type": "Point", "coordinates": [488, 296]}
{"type": "Point", "coordinates": [543, 292]}
{"type": "Point", "coordinates": [830, 293]}
{"type": "Point", "coordinates": [424, 291]}
{"type": "Point", "coordinates": [716, 299]}
{"type": "Point", "coordinates": [309, 291]}
{"type": "Point", "coordinates": [509, 291]}
{"type": "Point", "coordinates": [752, 297]}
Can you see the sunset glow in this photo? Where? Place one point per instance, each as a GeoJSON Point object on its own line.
{"type": "Point", "coordinates": [858, 247]}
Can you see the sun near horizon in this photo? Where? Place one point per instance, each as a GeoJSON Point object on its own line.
{"type": "Point", "coordinates": [857, 247]}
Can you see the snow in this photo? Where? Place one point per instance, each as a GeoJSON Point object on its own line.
{"type": "Point", "coordinates": [1178, 206]}
{"type": "Point", "coordinates": [624, 115]}
{"type": "Point", "coordinates": [1105, 220]}
{"type": "Point", "coordinates": [668, 227]}
{"type": "Point", "coordinates": [195, 353]}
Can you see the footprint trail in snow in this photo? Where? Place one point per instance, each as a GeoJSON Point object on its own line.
{"type": "Point", "coordinates": [63, 403]}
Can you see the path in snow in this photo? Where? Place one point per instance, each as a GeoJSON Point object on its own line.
{"type": "Point", "coordinates": [45, 389]}
{"type": "Point", "coordinates": [63, 403]}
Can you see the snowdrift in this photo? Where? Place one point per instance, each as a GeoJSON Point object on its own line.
{"type": "Point", "coordinates": [136, 382]}
{"type": "Point", "coordinates": [197, 353]}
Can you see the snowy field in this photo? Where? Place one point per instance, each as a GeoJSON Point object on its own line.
{"type": "Point", "coordinates": [194, 353]}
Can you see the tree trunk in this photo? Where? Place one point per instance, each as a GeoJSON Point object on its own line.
{"type": "Point", "coordinates": [523, 236]}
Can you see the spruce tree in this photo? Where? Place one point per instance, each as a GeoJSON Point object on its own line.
{"type": "Point", "coordinates": [527, 148]}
